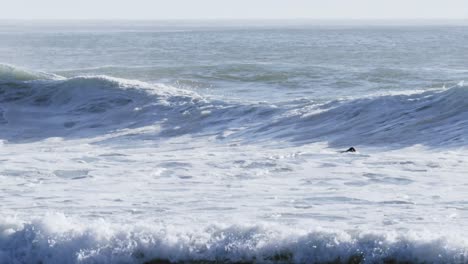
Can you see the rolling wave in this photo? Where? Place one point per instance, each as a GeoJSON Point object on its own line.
{"type": "Point", "coordinates": [37, 108]}
{"type": "Point", "coordinates": [434, 118]}
{"type": "Point", "coordinates": [39, 105]}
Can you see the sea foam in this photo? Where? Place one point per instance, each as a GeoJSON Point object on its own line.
{"type": "Point", "coordinates": [59, 239]}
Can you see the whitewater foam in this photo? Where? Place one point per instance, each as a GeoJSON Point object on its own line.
{"type": "Point", "coordinates": [58, 239]}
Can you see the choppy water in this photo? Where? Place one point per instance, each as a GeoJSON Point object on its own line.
{"type": "Point", "coordinates": [127, 143]}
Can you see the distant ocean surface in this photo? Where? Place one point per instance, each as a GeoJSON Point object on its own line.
{"type": "Point", "coordinates": [177, 142]}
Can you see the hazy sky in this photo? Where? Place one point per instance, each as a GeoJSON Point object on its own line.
{"type": "Point", "coordinates": [233, 9]}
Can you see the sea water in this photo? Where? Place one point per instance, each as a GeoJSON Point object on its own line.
{"type": "Point", "coordinates": [210, 142]}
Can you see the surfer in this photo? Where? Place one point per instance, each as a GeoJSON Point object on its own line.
{"type": "Point", "coordinates": [351, 149]}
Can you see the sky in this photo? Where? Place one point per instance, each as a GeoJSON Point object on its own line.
{"type": "Point", "coordinates": [233, 9]}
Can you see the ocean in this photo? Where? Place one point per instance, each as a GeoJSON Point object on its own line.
{"type": "Point", "coordinates": [223, 142]}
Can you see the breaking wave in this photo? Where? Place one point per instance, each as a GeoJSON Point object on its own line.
{"type": "Point", "coordinates": [39, 105]}
{"type": "Point", "coordinates": [58, 239]}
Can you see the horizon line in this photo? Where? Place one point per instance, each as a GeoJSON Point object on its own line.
{"type": "Point", "coordinates": [259, 21]}
{"type": "Point", "coordinates": [243, 19]}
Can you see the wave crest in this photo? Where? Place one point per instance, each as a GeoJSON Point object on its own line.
{"type": "Point", "coordinates": [12, 73]}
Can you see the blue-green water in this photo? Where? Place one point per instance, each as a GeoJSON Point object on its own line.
{"type": "Point", "coordinates": [217, 142]}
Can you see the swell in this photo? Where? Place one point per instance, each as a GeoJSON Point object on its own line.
{"type": "Point", "coordinates": [40, 106]}
{"type": "Point", "coordinates": [58, 239]}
